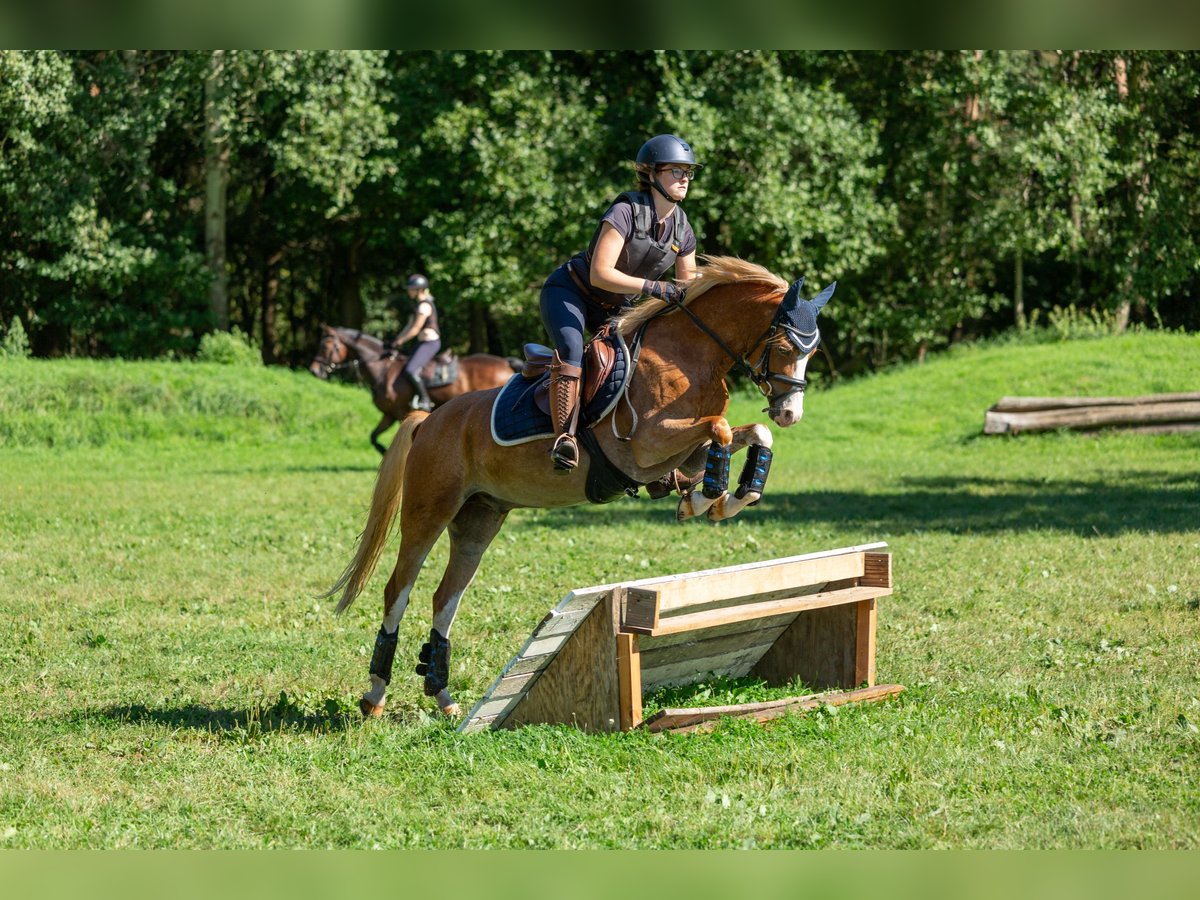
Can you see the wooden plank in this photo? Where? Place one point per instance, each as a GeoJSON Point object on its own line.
{"type": "Point", "coordinates": [734, 664]}
{"type": "Point", "coordinates": [877, 569]}
{"type": "Point", "coordinates": [629, 679]}
{"type": "Point", "coordinates": [700, 645]}
{"type": "Point", "coordinates": [512, 685]}
{"type": "Point", "coordinates": [523, 665]}
{"type": "Point", "coordinates": [723, 616]}
{"type": "Point", "coordinates": [744, 580]}
{"type": "Point", "coordinates": [1033, 404]}
{"type": "Point", "coordinates": [1091, 417]}
{"type": "Point", "coordinates": [641, 608]}
{"type": "Point", "coordinates": [819, 648]}
{"type": "Point", "coordinates": [1177, 428]}
{"type": "Point", "coordinates": [697, 719]}
{"type": "Point", "coordinates": [579, 685]}
{"type": "Point", "coordinates": [731, 587]}
{"type": "Point", "coordinates": [864, 644]}
{"type": "Point", "coordinates": [535, 655]}
{"type": "Point", "coordinates": [498, 707]}
{"type": "Point", "coordinates": [653, 643]}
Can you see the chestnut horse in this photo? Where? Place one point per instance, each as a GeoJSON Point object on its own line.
{"type": "Point", "coordinates": [390, 390]}
{"type": "Point", "coordinates": [444, 471]}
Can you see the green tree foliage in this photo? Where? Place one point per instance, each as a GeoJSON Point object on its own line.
{"type": "Point", "coordinates": [230, 348]}
{"type": "Point", "coordinates": [15, 342]}
{"type": "Point", "coordinates": [950, 193]}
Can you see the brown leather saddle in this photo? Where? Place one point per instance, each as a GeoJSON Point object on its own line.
{"type": "Point", "coordinates": [599, 357]}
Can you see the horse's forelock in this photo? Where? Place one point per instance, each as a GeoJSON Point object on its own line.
{"type": "Point", "coordinates": [714, 272]}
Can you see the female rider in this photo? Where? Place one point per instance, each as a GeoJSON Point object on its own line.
{"type": "Point", "coordinates": [643, 233]}
{"type": "Point", "coordinates": [422, 325]}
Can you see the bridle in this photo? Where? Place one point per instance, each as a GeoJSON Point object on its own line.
{"type": "Point", "coordinates": [760, 372]}
{"type": "Point", "coordinates": [327, 366]}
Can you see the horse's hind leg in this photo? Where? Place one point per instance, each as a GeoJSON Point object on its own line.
{"type": "Point", "coordinates": [422, 520]}
{"type": "Point", "coordinates": [384, 424]}
{"type": "Point", "coordinates": [472, 530]}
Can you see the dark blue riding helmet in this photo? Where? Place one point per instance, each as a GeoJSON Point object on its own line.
{"type": "Point", "coordinates": [663, 149]}
{"type": "Point", "coordinates": [420, 282]}
{"type": "Point", "coordinates": [798, 317]}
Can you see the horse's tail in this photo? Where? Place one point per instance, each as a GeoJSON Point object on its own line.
{"type": "Point", "coordinates": [385, 504]}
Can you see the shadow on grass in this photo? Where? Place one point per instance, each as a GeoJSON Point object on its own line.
{"type": "Point", "coordinates": [314, 469]}
{"type": "Point", "coordinates": [1125, 502]}
{"type": "Point", "coordinates": [258, 719]}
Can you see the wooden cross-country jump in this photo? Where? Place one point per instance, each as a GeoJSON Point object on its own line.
{"type": "Point", "coordinates": [592, 658]}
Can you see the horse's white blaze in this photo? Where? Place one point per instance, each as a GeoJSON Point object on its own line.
{"type": "Point", "coordinates": [792, 409]}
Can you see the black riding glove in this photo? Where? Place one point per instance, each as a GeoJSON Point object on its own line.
{"type": "Point", "coordinates": [664, 290]}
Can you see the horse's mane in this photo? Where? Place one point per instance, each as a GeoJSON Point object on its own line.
{"type": "Point", "coordinates": [714, 271]}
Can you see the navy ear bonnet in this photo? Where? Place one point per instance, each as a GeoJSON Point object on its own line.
{"type": "Point", "coordinates": [798, 317]}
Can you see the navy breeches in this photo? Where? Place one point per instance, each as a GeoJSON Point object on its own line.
{"type": "Point", "coordinates": [567, 314]}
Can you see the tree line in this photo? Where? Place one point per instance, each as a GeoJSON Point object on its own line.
{"type": "Point", "coordinates": [150, 197]}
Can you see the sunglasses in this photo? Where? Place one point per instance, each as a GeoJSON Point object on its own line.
{"type": "Point", "coordinates": [678, 173]}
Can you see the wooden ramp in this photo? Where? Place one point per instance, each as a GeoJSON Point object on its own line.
{"type": "Point", "coordinates": [591, 659]}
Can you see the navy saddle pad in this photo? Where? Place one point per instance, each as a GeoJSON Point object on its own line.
{"type": "Point", "coordinates": [516, 419]}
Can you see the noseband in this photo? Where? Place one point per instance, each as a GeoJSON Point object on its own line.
{"type": "Point", "coordinates": [328, 367]}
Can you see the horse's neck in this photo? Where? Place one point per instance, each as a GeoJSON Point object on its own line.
{"type": "Point", "coordinates": [740, 320]}
{"type": "Point", "coordinates": [367, 348]}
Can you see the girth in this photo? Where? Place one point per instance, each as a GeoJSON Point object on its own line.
{"type": "Point", "coordinates": [605, 482]}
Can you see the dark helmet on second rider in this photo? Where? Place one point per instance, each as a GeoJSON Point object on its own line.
{"type": "Point", "coordinates": [664, 149]}
{"type": "Point", "coordinates": [417, 282]}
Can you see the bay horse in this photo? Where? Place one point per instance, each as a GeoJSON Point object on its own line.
{"type": "Point", "coordinates": [390, 390]}
{"type": "Point", "coordinates": [444, 471]}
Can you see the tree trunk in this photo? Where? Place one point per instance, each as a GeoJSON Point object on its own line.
{"type": "Point", "coordinates": [1019, 289]}
{"type": "Point", "coordinates": [479, 341]}
{"type": "Point", "coordinates": [270, 294]}
{"type": "Point", "coordinates": [216, 183]}
{"type": "Point", "coordinates": [349, 285]}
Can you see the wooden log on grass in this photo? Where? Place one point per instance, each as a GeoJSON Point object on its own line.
{"type": "Point", "coordinates": [1070, 414]}
{"type": "Point", "coordinates": [705, 718]}
{"type": "Point", "coordinates": [1033, 404]}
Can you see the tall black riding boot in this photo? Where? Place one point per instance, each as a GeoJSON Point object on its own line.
{"type": "Point", "coordinates": [420, 392]}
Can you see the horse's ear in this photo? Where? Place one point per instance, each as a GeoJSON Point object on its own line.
{"type": "Point", "coordinates": [792, 297]}
{"type": "Point", "coordinates": [822, 298]}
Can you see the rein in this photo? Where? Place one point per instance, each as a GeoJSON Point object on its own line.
{"type": "Point", "coordinates": [760, 373]}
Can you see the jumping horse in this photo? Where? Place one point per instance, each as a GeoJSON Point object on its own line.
{"type": "Point", "coordinates": [444, 471]}
{"type": "Point", "coordinates": [390, 390]}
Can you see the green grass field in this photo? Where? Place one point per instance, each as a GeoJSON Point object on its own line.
{"type": "Point", "coordinates": [170, 679]}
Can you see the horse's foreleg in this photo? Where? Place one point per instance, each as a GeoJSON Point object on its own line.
{"type": "Point", "coordinates": [713, 496]}
{"type": "Point", "coordinates": [472, 530]}
{"type": "Point", "coordinates": [753, 478]}
{"type": "Point", "coordinates": [384, 424]}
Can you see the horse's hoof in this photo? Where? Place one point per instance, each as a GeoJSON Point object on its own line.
{"type": "Point", "coordinates": [369, 709]}
{"type": "Point", "coordinates": [452, 711]}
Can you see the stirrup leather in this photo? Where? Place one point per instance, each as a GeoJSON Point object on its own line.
{"type": "Point", "coordinates": [564, 412]}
